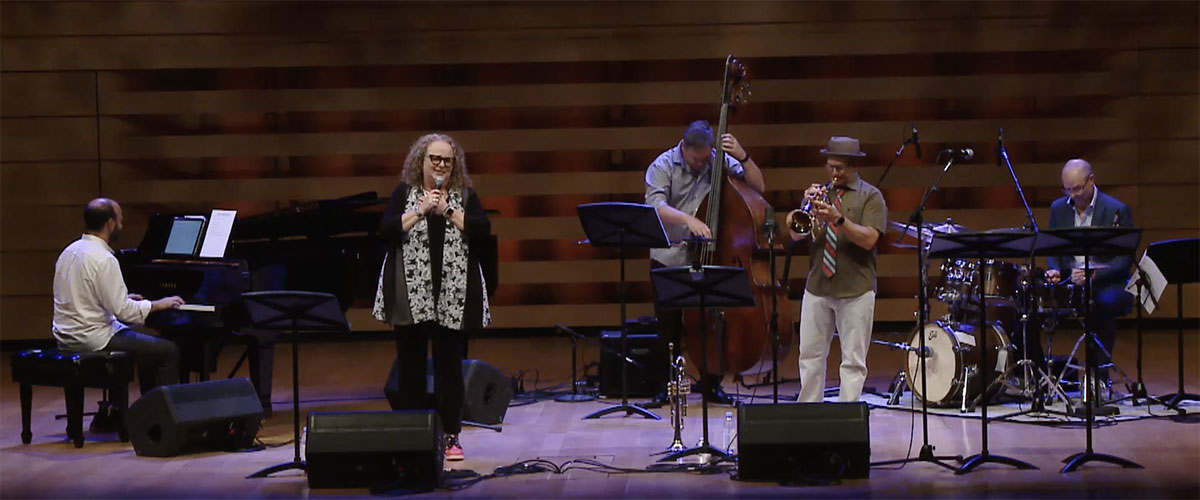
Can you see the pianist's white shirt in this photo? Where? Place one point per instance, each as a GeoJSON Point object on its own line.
{"type": "Point", "coordinates": [90, 298]}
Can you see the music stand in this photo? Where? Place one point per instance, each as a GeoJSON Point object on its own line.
{"type": "Point", "coordinates": [1089, 242]}
{"type": "Point", "coordinates": [701, 287]}
{"type": "Point", "coordinates": [993, 244]}
{"type": "Point", "coordinates": [1179, 262]}
{"type": "Point", "coordinates": [623, 225]}
{"type": "Point", "coordinates": [294, 312]}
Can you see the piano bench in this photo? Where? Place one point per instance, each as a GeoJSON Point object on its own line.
{"type": "Point", "coordinates": [73, 371]}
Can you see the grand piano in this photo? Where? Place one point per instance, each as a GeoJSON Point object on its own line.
{"type": "Point", "coordinates": [327, 246]}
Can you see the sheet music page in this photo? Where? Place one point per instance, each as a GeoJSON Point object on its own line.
{"type": "Point", "coordinates": [1157, 283]}
{"type": "Point", "coordinates": [216, 238]}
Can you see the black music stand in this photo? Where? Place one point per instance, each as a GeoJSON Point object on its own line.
{"type": "Point", "coordinates": [701, 287]}
{"type": "Point", "coordinates": [1090, 242]}
{"type": "Point", "coordinates": [1179, 262]}
{"type": "Point", "coordinates": [623, 225]}
{"type": "Point", "coordinates": [294, 312]}
{"type": "Point", "coordinates": [994, 244]}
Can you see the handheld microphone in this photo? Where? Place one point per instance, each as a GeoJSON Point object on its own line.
{"type": "Point", "coordinates": [960, 153]}
{"type": "Point", "coordinates": [438, 181]}
{"type": "Point", "coordinates": [916, 141]}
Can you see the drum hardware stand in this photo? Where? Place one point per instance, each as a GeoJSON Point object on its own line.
{"type": "Point", "coordinates": [1087, 379]}
{"type": "Point", "coordinates": [916, 219]}
{"type": "Point", "coordinates": [1031, 372]}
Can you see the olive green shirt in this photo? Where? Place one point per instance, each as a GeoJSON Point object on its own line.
{"type": "Point", "coordinates": [862, 204]}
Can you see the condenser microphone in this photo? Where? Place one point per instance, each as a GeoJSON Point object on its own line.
{"type": "Point", "coordinates": [916, 141]}
{"type": "Point", "coordinates": [960, 153]}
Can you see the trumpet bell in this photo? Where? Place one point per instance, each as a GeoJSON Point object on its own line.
{"type": "Point", "coordinates": [799, 221]}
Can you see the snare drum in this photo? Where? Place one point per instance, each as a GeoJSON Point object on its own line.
{"type": "Point", "coordinates": [953, 362]}
{"type": "Point", "coordinates": [1062, 299]}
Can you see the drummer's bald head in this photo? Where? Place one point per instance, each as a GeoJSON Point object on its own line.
{"type": "Point", "coordinates": [1078, 167]}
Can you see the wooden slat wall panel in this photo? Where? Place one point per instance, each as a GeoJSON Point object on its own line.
{"type": "Point", "coordinates": [184, 106]}
{"type": "Point", "coordinates": [118, 102]}
{"type": "Point", "coordinates": [48, 94]}
{"type": "Point", "coordinates": [48, 139]}
{"type": "Point", "coordinates": [557, 45]}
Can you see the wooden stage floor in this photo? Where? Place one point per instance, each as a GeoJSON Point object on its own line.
{"type": "Point", "coordinates": [349, 376]}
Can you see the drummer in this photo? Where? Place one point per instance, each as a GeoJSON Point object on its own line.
{"type": "Point", "coordinates": [1085, 205]}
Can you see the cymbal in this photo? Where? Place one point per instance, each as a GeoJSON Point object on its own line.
{"type": "Point", "coordinates": [948, 227]}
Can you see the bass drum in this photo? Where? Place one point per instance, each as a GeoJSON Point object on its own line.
{"type": "Point", "coordinates": [953, 362]}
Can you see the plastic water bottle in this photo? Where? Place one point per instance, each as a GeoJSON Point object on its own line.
{"type": "Point", "coordinates": [727, 434]}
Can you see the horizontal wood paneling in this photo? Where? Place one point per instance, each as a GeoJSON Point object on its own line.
{"type": "Point", "coordinates": [118, 145]}
{"type": "Point", "coordinates": [48, 94]}
{"type": "Point", "coordinates": [40, 184]}
{"type": "Point", "coordinates": [48, 139]}
{"type": "Point", "coordinates": [118, 102]}
{"type": "Point", "coordinates": [596, 44]}
{"type": "Point", "coordinates": [33, 18]}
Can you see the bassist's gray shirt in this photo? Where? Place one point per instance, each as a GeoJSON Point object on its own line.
{"type": "Point", "coordinates": [669, 181]}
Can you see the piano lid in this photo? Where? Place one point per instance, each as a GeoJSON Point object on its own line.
{"type": "Point", "coordinates": [320, 219]}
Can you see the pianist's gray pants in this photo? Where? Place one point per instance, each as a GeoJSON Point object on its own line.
{"type": "Point", "coordinates": [157, 358]}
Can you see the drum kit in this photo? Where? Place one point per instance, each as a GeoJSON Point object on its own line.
{"type": "Point", "coordinates": [1021, 306]}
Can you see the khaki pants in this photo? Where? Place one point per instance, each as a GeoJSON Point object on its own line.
{"type": "Point", "coordinates": [852, 317]}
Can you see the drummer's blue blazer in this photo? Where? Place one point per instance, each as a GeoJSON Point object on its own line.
{"type": "Point", "coordinates": [1062, 214]}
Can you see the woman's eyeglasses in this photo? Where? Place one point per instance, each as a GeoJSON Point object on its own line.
{"type": "Point", "coordinates": [442, 160]}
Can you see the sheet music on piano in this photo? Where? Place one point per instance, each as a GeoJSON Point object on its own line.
{"type": "Point", "coordinates": [216, 237]}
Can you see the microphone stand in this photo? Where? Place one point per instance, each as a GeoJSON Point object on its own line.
{"type": "Point", "coordinates": [1002, 155]}
{"type": "Point", "coordinates": [574, 396]}
{"type": "Point", "coordinates": [1038, 405]}
{"type": "Point", "coordinates": [769, 227]}
{"type": "Point", "coordinates": [895, 157]}
{"type": "Point", "coordinates": [926, 454]}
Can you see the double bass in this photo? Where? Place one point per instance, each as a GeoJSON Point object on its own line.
{"type": "Point", "coordinates": [735, 213]}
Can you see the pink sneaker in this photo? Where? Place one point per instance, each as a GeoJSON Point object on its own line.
{"type": "Point", "coordinates": [454, 451]}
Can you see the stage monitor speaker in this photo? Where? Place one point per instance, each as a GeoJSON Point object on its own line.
{"type": "Point", "coordinates": [804, 441]}
{"type": "Point", "coordinates": [174, 419]}
{"type": "Point", "coordinates": [644, 381]}
{"type": "Point", "coordinates": [487, 391]}
{"type": "Point", "coordinates": [387, 450]}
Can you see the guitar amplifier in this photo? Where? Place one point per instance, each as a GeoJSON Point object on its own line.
{"type": "Point", "coordinates": [644, 381]}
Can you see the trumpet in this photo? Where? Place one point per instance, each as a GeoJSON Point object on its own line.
{"type": "Point", "coordinates": [802, 221]}
{"type": "Point", "coordinates": [677, 391]}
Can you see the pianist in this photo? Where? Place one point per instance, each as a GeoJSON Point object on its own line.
{"type": "Point", "coordinates": [432, 288]}
{"type": "Point", "coordinates": [92, 305]}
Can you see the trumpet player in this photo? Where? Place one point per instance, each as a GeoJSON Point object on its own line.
{"type": "Point", "coordinates": [844, 223]}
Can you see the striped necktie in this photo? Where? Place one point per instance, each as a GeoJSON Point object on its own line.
{"type": "Point", "coordinates": [832, 234]}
